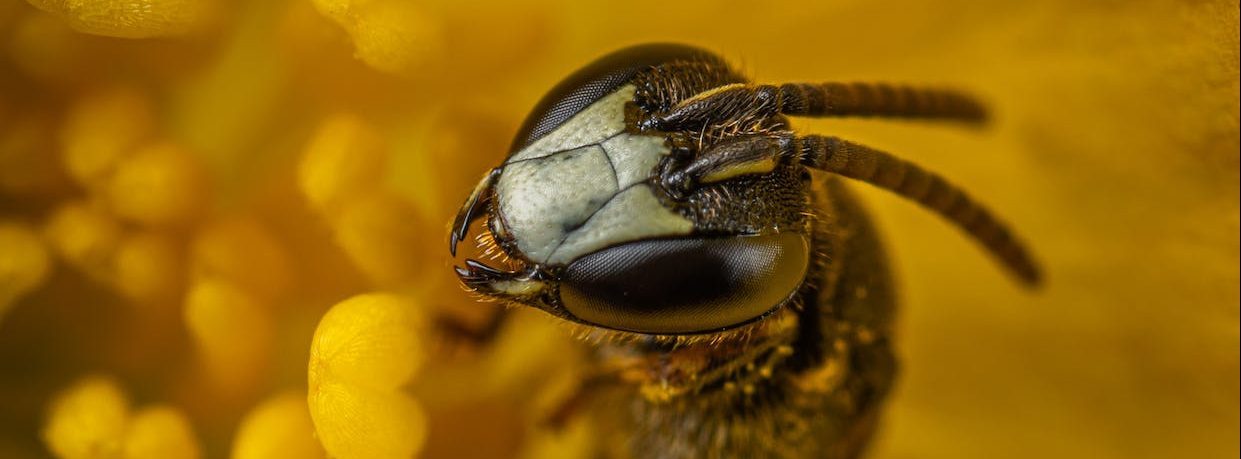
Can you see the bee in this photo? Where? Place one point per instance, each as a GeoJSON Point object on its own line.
{"type": "Point", "coordinates": [736, 298]}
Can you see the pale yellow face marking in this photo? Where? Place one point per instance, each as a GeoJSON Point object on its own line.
{"type": "Point", "coordinates": [632, 215]}
{"type": "Point", "coordinates": [761, 166]}
{"type": "Point", "coordinates": [711, 92]}
{"type": "Point", "coordinates": [543, 199]}
{"type": "Point", "coordinates": [595, 123]}
{"type": "Point", "coordinates": [517, 287]}
{"type": "Point", "coordinates": [580, 188]}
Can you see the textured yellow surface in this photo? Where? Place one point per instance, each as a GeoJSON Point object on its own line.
{"type": "Point", "coordinates": [262, 161]}
{"type": "Point", "coordinates": [127, 18]}
{"type": "Point", "coordinates": [365, 350]}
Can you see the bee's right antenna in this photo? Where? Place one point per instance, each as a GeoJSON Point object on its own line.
{"type": "Point", "coordinates": [820, 100]}
{"type": "Point", "coordinates": [881, 169]}
{"type": "Point", "coordinates": [878, 99]}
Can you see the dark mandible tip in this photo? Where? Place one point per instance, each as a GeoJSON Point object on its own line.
{"type": "Point", "coordinates": [471, 210]}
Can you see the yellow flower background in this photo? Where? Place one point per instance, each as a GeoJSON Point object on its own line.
{"type": "Point", "coordinates": [223, 223]}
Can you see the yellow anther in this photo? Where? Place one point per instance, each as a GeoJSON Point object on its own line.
{"type": "Point", "coordinates": [393, 36]}
{"type": "Point", "coordinates": [354, 422]}
{"type": "Point", "coordinates": [128, 18]}
{"type": "Point", "coordinates": [364, 351]}
{"type": "Point", "coordinates": [375, 340]}
{"type": "Point", "coordinates": [278, 427]}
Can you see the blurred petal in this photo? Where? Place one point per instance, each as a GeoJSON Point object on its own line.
{"type": "Point", "coordinates": [161, 184]}
{"type": "Point", "coordinates": [344, 159]}
{"type": "Point", "coordinates": [24, 262]}
{"type": "Point", "coordinates": [161, 432]}
{"type": "Point", "coordinates": [148, 268]}
{"type": "Point", "coordinates": [44, 47]}
{"type": "Point", "coordinates": [100, 130]}
{"type": "Point", "coordinates": [83, 235]}
{"type": "Point", "coordinates": [386, 239]}
{"type": "Point", "coordinates": [243, 252]}
{"type": "Point", "coordinates": [278, 427]}
{"type": "Point", "coordinates": [87, 420]}
{"type": "Point", "coordinates": [26, 169]}
{"type": "Point", "coordinates": [233, 332]}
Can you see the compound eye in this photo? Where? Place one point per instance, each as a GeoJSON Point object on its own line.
{"type": "Point", "coordinates": [593, 82]}
{"type": "Point", "coordinates": [685, 286]}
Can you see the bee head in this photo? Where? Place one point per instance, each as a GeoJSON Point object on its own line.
{"type": "Point", "coordinates": [608, 222]}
